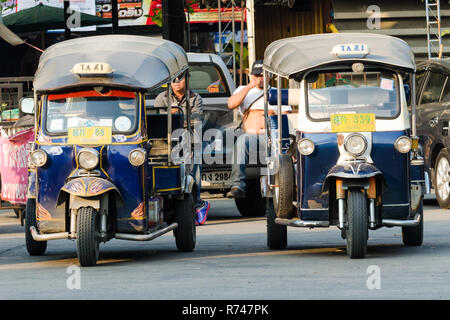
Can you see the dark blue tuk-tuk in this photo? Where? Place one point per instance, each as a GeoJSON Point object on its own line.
{"type": "Point", "coordinates": [95, 172]}
{"type": "Point", "coordinates": [349, 157]}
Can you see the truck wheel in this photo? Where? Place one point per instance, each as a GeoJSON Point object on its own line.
{"type": "Point", "coordinates": [185, 233]}
{"type": "Point", "coordinates": [442, 179]}
{"type": "Point", "coordinates": [253, 205]}
{"type": "Point", "coordinates": [276, 233]}
{"type": "Point", "coordinates": [413, 236]}
{"type": "Point", "coordinates": [87, 236]}
{"type": "Point", "coordinates": [357, 231]}
{"type": "Point", "coordinates": [34, 248]}
{"type": "Point", "coordinates": [284, 188]}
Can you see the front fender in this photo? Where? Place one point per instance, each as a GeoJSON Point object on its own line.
{"type": "Point", "coordinates": [353, 170]}
{"type": "Point", "coordinates": [88, 187]}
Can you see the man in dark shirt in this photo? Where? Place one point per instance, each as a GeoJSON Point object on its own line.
{"type": "Point", "coordinates": [196, 103]}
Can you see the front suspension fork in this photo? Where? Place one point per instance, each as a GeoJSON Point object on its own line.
{"type": "Point", "coordinates": [371, 194]}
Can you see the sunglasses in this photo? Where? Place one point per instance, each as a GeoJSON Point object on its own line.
{"type": "Point", "coordinates": [179, 78]}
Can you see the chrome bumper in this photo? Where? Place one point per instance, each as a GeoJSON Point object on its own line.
{"type": "Point", "coordinates": [302, 223]}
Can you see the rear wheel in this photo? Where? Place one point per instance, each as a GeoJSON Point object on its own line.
{"type": "Point", "coordinates": [276, 234]}
{"type": "Point", "coordinates": [34, 248]}
{"type": "Point", "coordinates": [413, 236]}
{"type": "Point", "coordinates": [253, 205]}
{"type": "Point", "coordinates": [185, 233]}
{"type": "Point", "coordinates": [442, 179]}
{"type": "Point", "coordinates": [88, 241]}
{"type": "Point", "coordinates": [357, 231]}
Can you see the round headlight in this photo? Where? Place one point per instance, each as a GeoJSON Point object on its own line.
{"type": "Point", "coordinates": [88, 158]}
{"type": "Point", "coordinates": [355, 144]}
{"type": "Point", "coordinates": [137, 157]}
{"type": "Point", "coordinates": [403, 144]}
{"type": "Point", "coordinates": [305, 147]}
{"type": "Point", "coordinates": [38, 158]}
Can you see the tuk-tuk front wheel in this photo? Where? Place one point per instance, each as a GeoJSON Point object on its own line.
{"type": "Point", "coordinates": [34, 248]}
{"type": "Point", "coordinates": [185, 233]}
{"type": "Point", "coordinates": [357, 231]}
{"type": "Point", "coordinates": [276, 233]}
{"type": "Point", "coordinates": [87, 236]}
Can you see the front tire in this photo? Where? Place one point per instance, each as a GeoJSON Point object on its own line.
{"type": "Point", "coordinates": [284, 188]}
{"type": "Point", "coordinates": [34, 248]}
{"type": "Point", "coordinates": [357, 230]}
{"type": "Point", "coordinates": [253, 205]}
{"type": "Point", "coordinates": [185, 233]}
{"type": "Point", "coordinates": [413, 236]}
{"type": "Point", "coordinates": [442, 179]}
{"type": "Point", "coordinates": [87, 236]}
{"type": "Point", "coordinates": [276, 233]}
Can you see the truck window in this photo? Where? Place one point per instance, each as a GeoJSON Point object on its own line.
{"type": "Point", "coordinates": [207, 80]}
{"type": "Point", "coordinates": [433, 88]}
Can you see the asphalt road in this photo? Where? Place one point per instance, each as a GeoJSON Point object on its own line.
{"type": "Point", "coordinates": [231, 261]}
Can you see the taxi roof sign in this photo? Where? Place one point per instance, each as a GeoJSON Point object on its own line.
{"type": "Point", "coordinates": [351, 50]}
{"type": "Point", "coordinates": [92, 69]}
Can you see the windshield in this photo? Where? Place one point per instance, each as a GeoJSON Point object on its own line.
{"type": "Point", "coordinates": [347, 92]}
{"type": "Point", "coordinates": [115, 108]}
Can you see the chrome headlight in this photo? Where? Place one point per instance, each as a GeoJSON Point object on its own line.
{"type": "Point", "coordinates": [38, 158]}
{"type": "Point", "coordinates": [88, 158]}
{"type": "Point", "coordinates": [355, 144]}
{"type": "Point", "coordinates": [305, 147]}
{"type": "Point", "coordinates": [137, 157]}
{"type": "Point", "coordinates": [403, 144]}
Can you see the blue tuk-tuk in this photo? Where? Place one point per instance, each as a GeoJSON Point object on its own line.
{"type": "Point", "coordinates": [349, 157]}
{"type": "Point", "coordinates": [96, 173]}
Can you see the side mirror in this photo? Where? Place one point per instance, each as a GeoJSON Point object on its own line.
{"type": "Point", "coordinates": [407, 94]}
{"type": "Point", "coordinates": [26, 105]}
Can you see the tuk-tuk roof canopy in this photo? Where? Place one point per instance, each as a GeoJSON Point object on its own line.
{"type": "Point", "coordinates": [137, 62]}
{"type": "Point", "coordinates": [286, 57]}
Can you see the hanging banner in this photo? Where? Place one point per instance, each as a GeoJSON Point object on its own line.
{"type": "Point", "coordinates": [14, 153]}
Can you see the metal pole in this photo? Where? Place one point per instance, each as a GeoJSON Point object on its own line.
{"type": "Point", "coordinates": [233, 30]}
{"type": "Point", "coordinates": [115, 16]}
{"type": "Point", "coordinates": [413, 104]}
{"type": "Point", "coordinates": [279, 112]}
{"type": "Point", "coordinates": [241, 61]}
{"type": "Point", "coordinates": [266, 109]}
{"type": "Point", "coordinates": [188, 28]}
{"type": "Point", "coordinates": [66, 17]}
{"type": "Point", "coordinates": [219, 11]}
{"type": "Point", "coordinates": [250, 32]}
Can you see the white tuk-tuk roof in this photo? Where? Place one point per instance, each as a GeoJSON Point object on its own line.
{"type": "Point", "coordinates": [136, 62]}
{"type": "Point", "coordinates": [290, 56]}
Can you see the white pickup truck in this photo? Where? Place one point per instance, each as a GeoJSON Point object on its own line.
{"type": "Point", "coordinates": [210, 78]}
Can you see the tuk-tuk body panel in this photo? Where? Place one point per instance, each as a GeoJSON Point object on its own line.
{"type": "Point", "coordinates": [165, 179]}
{"type": "Point", "coordinates": [314, 169]}
{"type": "Point", "coordinates": [50, 179]}
{"type": "Point", "coordinates": [130, 181]}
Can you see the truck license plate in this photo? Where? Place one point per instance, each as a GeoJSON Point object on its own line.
{"type": "Point", "coordinates": [216, 177]}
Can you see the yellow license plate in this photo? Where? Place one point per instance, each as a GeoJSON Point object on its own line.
{"type": "Point", "coordinates": [90, 135]}
{"type": "Point", "coordinates": [356, 122]}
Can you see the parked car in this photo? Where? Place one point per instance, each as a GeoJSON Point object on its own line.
{"type": "Point", "coordinates": [433, 115]}
{"type": "Point", "coordinates": [210, 77]}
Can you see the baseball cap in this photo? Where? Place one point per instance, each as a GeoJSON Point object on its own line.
{"type": "Point", "coordinates": [257, 67]}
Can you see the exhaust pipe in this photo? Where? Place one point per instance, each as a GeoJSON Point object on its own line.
{"type": "Point", "coordinates": [146, 237]}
